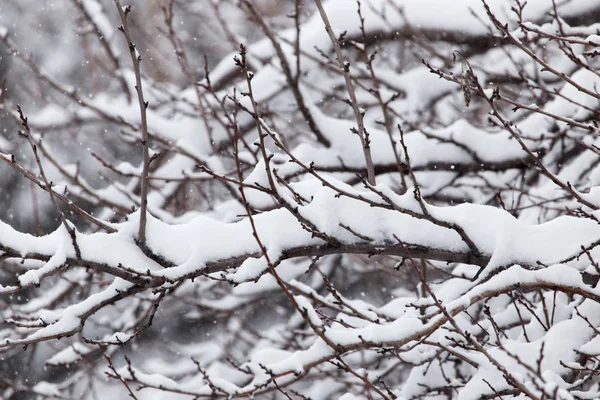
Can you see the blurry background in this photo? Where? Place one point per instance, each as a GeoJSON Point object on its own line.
{"type": "Point", "coordinates": [62, 38]}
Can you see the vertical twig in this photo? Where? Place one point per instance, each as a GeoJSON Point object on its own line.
{"type": "Point", "coordinates": [358, 113]}
{"type": "Point", "coordinates": [36, 211]}
{"type": "Point", "coordinates": [387, 119]}
{"type": "Point", "coordinates": [297, 7]}
{"type": "Point", "coordinates": [136, 58]}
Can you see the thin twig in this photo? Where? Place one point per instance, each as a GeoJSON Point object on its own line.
{"type": "Point", "coordinates": [358, 113]}
{"type": "Point", "coordinates": [136, 59]}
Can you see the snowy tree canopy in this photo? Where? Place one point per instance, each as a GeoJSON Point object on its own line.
{"type": "Point", "coordinates": [328, 199]}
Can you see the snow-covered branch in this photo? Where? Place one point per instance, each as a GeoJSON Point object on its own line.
{"type": "Point", "coordinates": [390, 199]}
